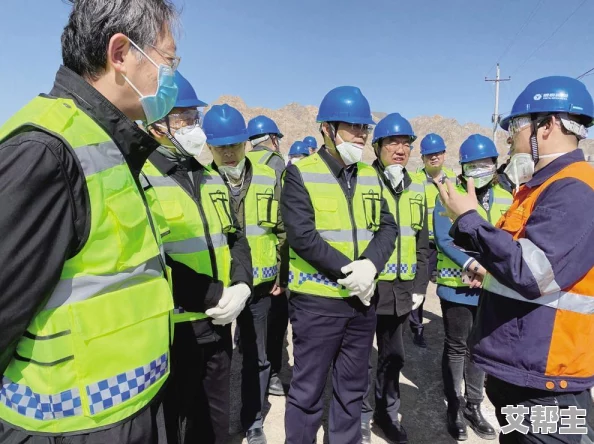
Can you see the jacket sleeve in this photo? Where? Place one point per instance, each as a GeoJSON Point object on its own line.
{"type": "Point", "coordinates": [282, 249]}
{"type": "Point", "coordinates": [422, 275]}
{"type": "Point", "coordinates": [37, 226]}
{"type": "Point", "coordinates": [383, 243]}
{"type": "Point", "coordinates": [241, 256]}
{"type": "Point", "coordinates": [194, 291]}
{"type": "Point", "coordinates": [445, 242]}
{"type": "Point", "coordinates": [556, 250]}
{"type": "Point", "coordinates": [300, 225]}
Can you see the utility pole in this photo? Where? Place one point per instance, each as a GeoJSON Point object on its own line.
{"type": "Point", "coordinates": [496, 116]}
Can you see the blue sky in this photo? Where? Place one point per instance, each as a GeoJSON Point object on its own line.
{"type": "Point", "coordinates": [420, 57]}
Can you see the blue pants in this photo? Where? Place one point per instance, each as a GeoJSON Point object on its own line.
{"type": "Point", "coordinates": [321, 342]}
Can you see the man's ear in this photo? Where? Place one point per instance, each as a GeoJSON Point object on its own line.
{"type": "Point", "coordinates": [118, 50]}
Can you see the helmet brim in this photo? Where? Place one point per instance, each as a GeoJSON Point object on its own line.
{"type": "Point", "coordinates": [229, 140]}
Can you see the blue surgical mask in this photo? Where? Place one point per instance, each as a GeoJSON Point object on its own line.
{"type": "Point", "coordinates": [158, 105]}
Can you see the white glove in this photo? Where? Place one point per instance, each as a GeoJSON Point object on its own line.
{"type": "Point", "coordinates": [417, 300]}
{"type": "Point", "coordinates": [230, 305]}
{"type": "Point", "coordinates": [360, 279]}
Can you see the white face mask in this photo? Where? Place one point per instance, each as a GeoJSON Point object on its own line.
{"type": "Point", "coordinates": [521, 167]}
{"type": "Point", "coordinates": [233, 172]}
{"type": "Point", "coordinates": [395, 174]}
{"type": "Point", "coordinates": [350, 152]}
{"type": "Point", "coordinates": [191, 140]}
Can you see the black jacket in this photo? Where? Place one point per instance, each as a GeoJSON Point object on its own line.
{"type": "Point", "coordinates": [45, 219]}
{"type": "Point", "coordinates": [304, 239]}
{"type": "Point", "coordinates": [396, 297]}
{"type": "Point", "coordinates": [193, 291]}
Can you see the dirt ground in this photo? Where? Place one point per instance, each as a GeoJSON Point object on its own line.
{"type": "Point", "coordinates": [423, 405]}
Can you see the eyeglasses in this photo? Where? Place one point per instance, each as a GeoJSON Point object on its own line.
{"type": "Point", "coordinates": [174, 61]}
{"type": "Point", "coordinates": [358, 127]}
{"type": "Point", "coordinates": [176, 121]}
{"type": "Point", "coordinates": [518, 124]}
{"type": "Point", "coordinates": [392, 146]}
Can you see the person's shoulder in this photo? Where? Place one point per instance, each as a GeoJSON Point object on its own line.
{"type": "Point", "coordinates": [26, 147]}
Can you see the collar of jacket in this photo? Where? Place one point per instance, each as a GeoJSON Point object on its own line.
{"type": "Point", "coordinates": [335, 167]}
{"type": "Point", "coordinates": [541, 176]}
{"type": "Point", "coordinates": [261, 147]}
{"type": "Point", "coordinates": [406, 181]}
{"type": "Point", "coordinates": [135, 144]}
{"type": "Point", "coordinates": [168, 166]}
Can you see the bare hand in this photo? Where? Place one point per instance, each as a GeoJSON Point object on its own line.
{"type": "Point", "coordinates": [477, 281]}
{"type": "Point", "coordinates": [276, 290]}
{"type": "Point", "coordinates": [455, 203]}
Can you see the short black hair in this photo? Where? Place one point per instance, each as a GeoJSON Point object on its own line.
{"type": "Point", "coordinates": [92, 23]}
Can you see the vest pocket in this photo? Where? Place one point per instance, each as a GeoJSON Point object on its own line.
{"type": "Point", "coordinates": [267, 209]}
{"type": "Point", "coordinates": [221, 204]}
{"type": "Point", "coordinates": [131, 225]}
{"type": "Point", "coordinates": [416, 213]}
{"type": "Point", "coordinates": [372, 208]}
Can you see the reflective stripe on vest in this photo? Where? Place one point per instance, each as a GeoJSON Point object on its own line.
{"type": "Point", "coordinates": [448, 272]}
{"type": "Point", "coordinates": [431, 192]}
{"type": "Point", "coordinates": [112, 297]}
{"type": "Point", "coordinates": [565, 354]}
{"type": "Point", "coordinates": [198, 228]}
{"type": "Point", "coordinates": [334, 221]}
{"type": "Point", "coordinates": [261, 217]}
{"type": "Point", "coordinates": [410, 218]}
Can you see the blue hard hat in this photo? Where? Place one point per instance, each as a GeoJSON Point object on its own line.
{"type": "Point", "coordinates": [345, 104]}
{"type": "Point", "coordinates": [477, 147]}
{"type": "Point", "coordinates": [393, 125]}
{"type": "Point", "coordinates": [555, 94]}
{"type": "Point", "coordinates": [299, 148]}
{"type": "Point", "coordinates": [186, 96]}
{"type": "Point", "coordinates": [224, 125]}
{"type": "Point", "coordinates": [431, 144]}
{"type": "Point", "coordinates": [261, 126]}
{"type": "Point", "coordinates": [311, 142]}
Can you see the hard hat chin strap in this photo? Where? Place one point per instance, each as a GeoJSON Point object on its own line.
{"type": "Point", "coordinates": [534, 141]}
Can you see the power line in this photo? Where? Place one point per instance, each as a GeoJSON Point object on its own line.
{"type": "Point", "coordinates": [585, 74]}
{"type": "Point", "coordinates": [550, 36]}
{"type": "Point", "coordinates": [515, 38]}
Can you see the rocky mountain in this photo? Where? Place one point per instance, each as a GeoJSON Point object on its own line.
{"type": "Point", "coordinates": [297, 121]}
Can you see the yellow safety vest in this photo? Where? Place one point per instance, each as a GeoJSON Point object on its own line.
{"type": "Point", "coordinates": [198, 229]}
{"type": "Point", "coordinates": [98, 351]}
{"type": "Point", "coordinates": [448, 272]}
{"type": "Point", "coordinates": [345, 224]}
{"type": "Point", "coordinates": [410, 218]}
{"type": "Point", "coordinates": [432, 192]}
{"type": "Point", "coordinates": [261, 216]}
{"type": "Point", "coordinates": [262, 157]}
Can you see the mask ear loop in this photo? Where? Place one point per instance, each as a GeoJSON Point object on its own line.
{"type": "Point", "coordinates": [173, 140]}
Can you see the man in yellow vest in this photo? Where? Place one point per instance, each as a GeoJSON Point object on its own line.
{"type": "Point", "coordinates": [403, 281]}
{"type": "Point", "coordinates": [211, 269]}
{"type": "Point", "coordinates": [265, 138]}
{"type": "Point", "coordinates": [255, 193]}
{"type": "Point", "coordinates": [341, 235]}
{"type": "Point", "coordinates": [85, 306]}
{"type": "Point", "coordinates": [433, 150]}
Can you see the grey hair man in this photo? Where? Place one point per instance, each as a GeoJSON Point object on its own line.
{"type": "Point", "coordinates": [85, 304]}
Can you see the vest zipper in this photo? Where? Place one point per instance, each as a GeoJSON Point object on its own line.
{"type": "Point", "coordinates": [152, 225]}
{"type": "Point", "coordinates": [353, 225]}
{"type": "Point", "coordinates": [211, 252]}
{"type": "Point", "coordinates": [399, 252]}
